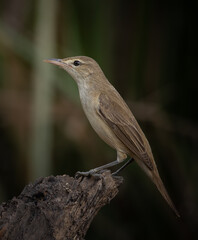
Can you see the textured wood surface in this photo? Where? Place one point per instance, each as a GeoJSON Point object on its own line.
{"type": "Point", "coordinates": [56, 208]}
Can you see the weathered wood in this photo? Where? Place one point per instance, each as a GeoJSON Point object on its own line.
{"type": "Point", "coordinates": [56, 208]}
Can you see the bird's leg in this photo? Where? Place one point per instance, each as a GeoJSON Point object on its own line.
{"type": "Point", "coordinates": [95, 170]}
{"type": "Point", "coordinates": [123, 166]}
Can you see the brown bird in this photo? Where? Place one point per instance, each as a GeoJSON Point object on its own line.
{"type": "Point", "coordinates": [111, 118]}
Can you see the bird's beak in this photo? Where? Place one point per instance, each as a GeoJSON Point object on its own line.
{"type": "Point", "coordinates": [55, 61]}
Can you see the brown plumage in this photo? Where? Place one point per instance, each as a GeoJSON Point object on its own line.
{"type": "Point", "coordinates": [111, 118]}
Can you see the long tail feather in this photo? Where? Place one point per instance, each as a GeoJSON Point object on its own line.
{"type": "Point", "coordinates": [160, 186]}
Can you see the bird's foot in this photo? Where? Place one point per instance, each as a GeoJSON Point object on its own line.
{"type": "Point", "coordinates": [91, 173]}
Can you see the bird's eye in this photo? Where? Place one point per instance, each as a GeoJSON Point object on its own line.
{"type": "Point", "coordinates": [76, 63]}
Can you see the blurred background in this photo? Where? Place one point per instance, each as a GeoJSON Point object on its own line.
{"type": "Point", "coordinates": [147, 50]}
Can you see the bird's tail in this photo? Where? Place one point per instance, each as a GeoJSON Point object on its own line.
{"type": "Point", "coordinates": [160, 186]}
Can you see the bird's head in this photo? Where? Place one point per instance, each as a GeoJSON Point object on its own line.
{"type": "Point", "coordinates": [80, 68]}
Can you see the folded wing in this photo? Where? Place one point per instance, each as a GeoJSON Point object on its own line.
{"type": "Point", "coordinates": [125, 127]}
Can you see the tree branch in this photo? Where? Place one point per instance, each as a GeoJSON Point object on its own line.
{"type": "Point", "coordinates": [56, 208]}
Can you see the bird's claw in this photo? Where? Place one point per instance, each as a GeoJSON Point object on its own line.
{"type": "Point", "coordinates": [91, 173]}
{"type": "Point", "coordinates": [115, 173]}
{"type": "Point", "coordinates": [83, 174]}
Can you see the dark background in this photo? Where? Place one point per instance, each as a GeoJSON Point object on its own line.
{"type": "Point", "coordinates": [147, 50]}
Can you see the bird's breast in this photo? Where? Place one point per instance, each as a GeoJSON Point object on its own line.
{"type": "Point", "coordinates": [90, 103]}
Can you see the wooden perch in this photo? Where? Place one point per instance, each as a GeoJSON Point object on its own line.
{"type": "Point", "coordinates": [56, 208]}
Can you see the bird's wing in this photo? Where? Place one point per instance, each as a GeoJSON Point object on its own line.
{"type": "Point", "coordinates": [124, 127]}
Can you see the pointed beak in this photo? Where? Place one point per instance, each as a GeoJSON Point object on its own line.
{"type": "Point", "coordinates": [55, 61]}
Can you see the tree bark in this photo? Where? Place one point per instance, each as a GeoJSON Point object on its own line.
{"type": "Point", "coordinates": [57, 208]}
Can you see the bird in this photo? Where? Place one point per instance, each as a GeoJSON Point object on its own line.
{"type": "Point", "coordinates": [112, 119]}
